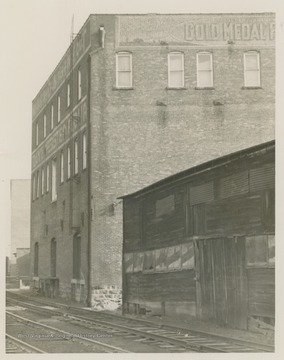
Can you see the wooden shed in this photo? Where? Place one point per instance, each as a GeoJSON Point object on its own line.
{"type": "Point", "coordinates": [201, 242]}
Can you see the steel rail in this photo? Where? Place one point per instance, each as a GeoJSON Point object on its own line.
{"type": "Point", "coordinates": [28, 321]}
{"type": "Point", "coordinates": [201, 347]}
{"type": "Point", "coordinates": [23, 344]}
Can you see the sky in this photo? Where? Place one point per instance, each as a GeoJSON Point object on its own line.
{"type": "Point", "coordinates": [34, 35]}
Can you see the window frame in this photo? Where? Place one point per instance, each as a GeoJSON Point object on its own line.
{"type": "Point", "coordinates": [47, 177]}
{"type": "Point", "coordinates": [58, 109]}
{"type": "Point", "coordinates": [198, 70]}
{"type": "Point", "coordinates": [68, 162]}
{"type": "Point", "coordinates": [54, 180]}
{"type": "Point", "coordinates": [37, 133]}
{"type": "Point", "coordinates": [79, 84]}
{"type": "Point", "coordinates": [76, 157]}
{"type": "Point", "coordinates": [117, 71]}
{"type": "Point", "coordinates": [52, 117]}
{"type": "Point", "coordinates": [42, 181]}
{"type": "Point", "coordinates": [62, 167]}
{"type": "Point", "coordinates": [84, 145]}
{"type": "Point", "coordinates": [44, 126]}
{"type": "Point", "coordinates": [250, 53]}
{"type": "Point", "coordinates": [68, 94]}
{"type": "Point", "coordinates": [175, 53]}
{"type": "Point", "coordinates": [34, 187]}
{"type": "Point", "coordinates": [37, 184]}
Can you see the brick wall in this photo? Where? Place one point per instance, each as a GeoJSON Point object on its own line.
{"type": "Point", "coordinates": [137, 141]}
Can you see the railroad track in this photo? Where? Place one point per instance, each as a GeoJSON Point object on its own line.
{"type": "Point", "coordinates": [163, 337]}
{"type": "Point", "coordinates": [16, 346]}
{"type": "Point", "coordinates": [29, 330]}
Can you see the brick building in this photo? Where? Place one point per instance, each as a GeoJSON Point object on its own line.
{"type": "Point", "coordinates": [134, 99]}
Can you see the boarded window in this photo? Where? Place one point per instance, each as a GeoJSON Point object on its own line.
{"type": "Point", "coordinates": [174, 258]}
{"type": "Point", "coordinates": [236, 184]}
{"type": "Point", "coordinates": [201, 194]}
{"type": "Point", "coordinates": [187, 256]}
{"type": "Point", "coordinates": [149, 261]}
{"type": "Point", "coordinates": [271, 249]}
{"type": "Point", "coordinates": [256, 250]}
{"type": "Point", "coordinates": [161, 259]}
{"type": "Point", "coordinates": [128, 263]}
{"type": "Point", "coordinates": [138, 259]}
{"type": "Point", "coordinates": [262, 178]}
{"type": "Point", "coordinates": [165, 206]}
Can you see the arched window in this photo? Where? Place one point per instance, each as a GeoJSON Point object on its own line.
{"type": "Point", "coordinates": [123, 70]}
{"type": "Point", "coordinates": [36, 253]}
{"type": "Point", "coordinates": [175, 70]}
{"type": "Point", "coordinates": [204, 69]}
{"type": "Point", "coordinates": [53, 258]}
{"type": "Point", "coordinates": [76, 256]}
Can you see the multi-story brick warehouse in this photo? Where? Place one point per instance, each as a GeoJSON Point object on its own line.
{"type": "Point", "coordinates": [137, 98]}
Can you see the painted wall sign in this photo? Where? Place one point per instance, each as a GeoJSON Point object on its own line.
{"type": "Point", "coordinates": [193, 28]}
{"type": "Point", "coordinates": [79, 45]}
{"type": "Point", "coordinates": [59, 135]}
{"type": "Point", "coordinates": [229, 31]}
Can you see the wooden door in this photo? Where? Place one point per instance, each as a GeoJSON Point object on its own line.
{"type": "Point", "coordinates": [221, 281]}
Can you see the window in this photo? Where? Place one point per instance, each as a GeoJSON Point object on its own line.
{"type": "Point", "coordinates": [79, 84]}
{"type": "Point", "coordinates": [53, 181]}
{"type": "Point", "coordinates": [68, 95]}
{"type": "Point", "coordinates": [42, 181]}
{"type": "Point", "coordinates": [52, 118]}
{"type": "Point", "coordinates": [204, 70]}
{"type": "Point", "coordinates": [37, 185]}
{"type": "Point", "coordinates": [84, 150]}
{"type": "Point", "coordinates": [34, 187]}
{"type": "Point", "coordinates": [44, 126]}
{"type": "Point", "coordinates": [123, 70]}
{"type": "Point", "coordinates": [58, 109]}
{"type": "Point", "coordinates": [37, 134]}
{"type": "Point", "coordinates": [53, 258]}
{"type": "Point", "coordinates": [47, 178]}
{"type": "Point", "coordinates": [76, 160]}
{"type": "Point", "coordinates": [176, 70]}
{"type": "Point", "coordinates": [165, 206]}
{"type": "Point", "coordinates": [76, 256]}
{"type": "Point", "coordinates": [62, 167]}
{"type": "Point", "coordinates": [68, 162]}
{"type": "Point", "coordinates": [36, 259]}
{"type": "Point", "coordinates": [251, 69]}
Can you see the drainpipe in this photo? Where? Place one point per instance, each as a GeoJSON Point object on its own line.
{"type": "Point", "coordinates": [89, 191]}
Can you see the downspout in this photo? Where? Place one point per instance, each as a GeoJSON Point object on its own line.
{"type": "Point", "coordinates": [89, 191]}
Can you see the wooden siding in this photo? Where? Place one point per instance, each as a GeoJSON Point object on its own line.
{"type": "Point", "coordinates": [132, 224]}
{"type": "Point", "coordinates": [261, 284]}
{"type": "Point", "coordinates": [167, 229]}
{"type": "Point", "coordinates": [223, 286]}
{"type": "Point", "coordinates": [171, 286]}
{"type": "Point", "coordinates": [234, 215]}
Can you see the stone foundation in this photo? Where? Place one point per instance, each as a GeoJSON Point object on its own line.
{"type": "Point", "coordinates": [107, 297]}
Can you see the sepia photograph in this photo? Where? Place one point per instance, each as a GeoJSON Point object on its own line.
{"type": "Point", "coordinates": [137, 155]}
